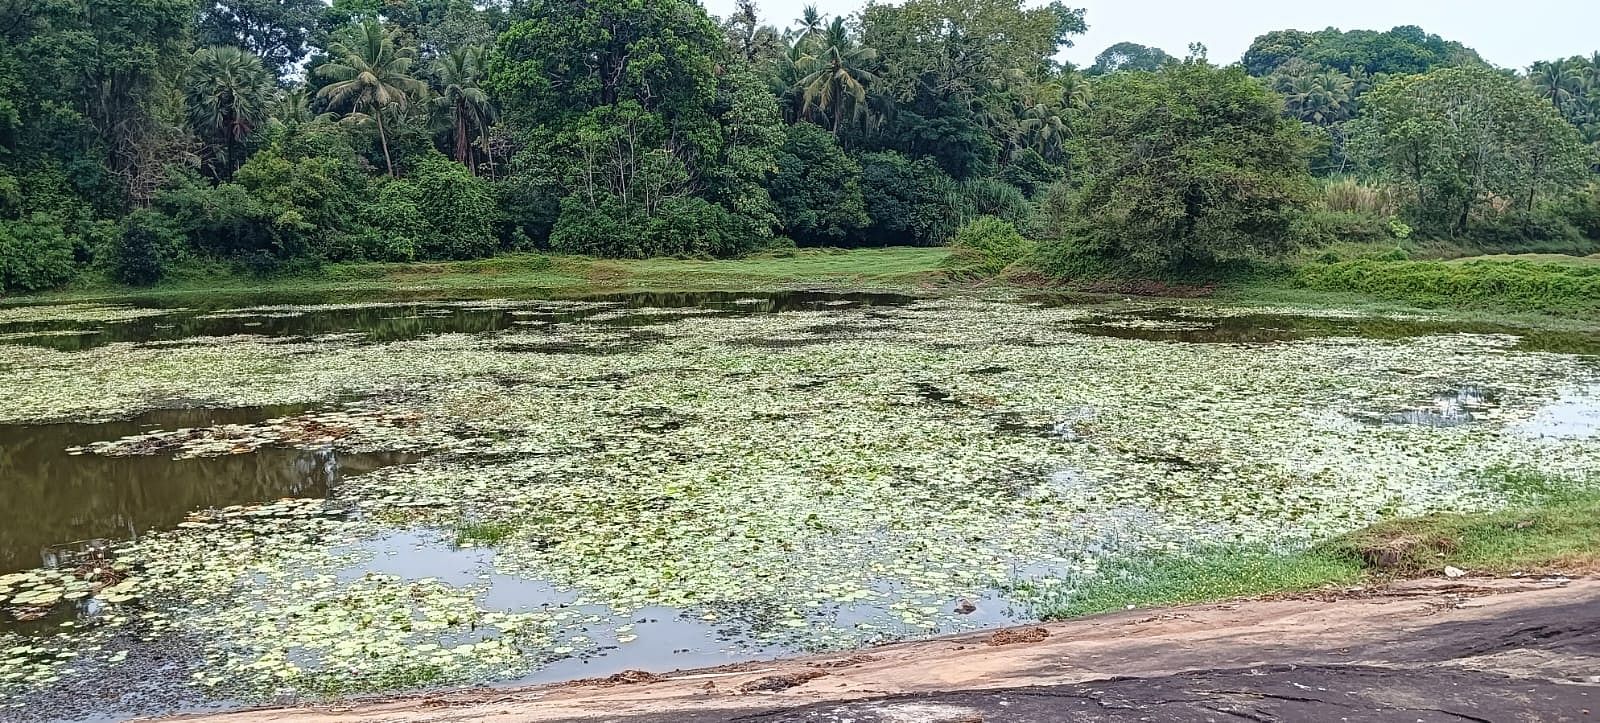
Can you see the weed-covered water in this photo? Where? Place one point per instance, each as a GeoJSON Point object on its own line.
{"type": "Point", "coordinates": [215, 503]}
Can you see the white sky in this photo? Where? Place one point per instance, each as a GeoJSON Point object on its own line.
{"type": "Point", "coordinates": [1508, 34]}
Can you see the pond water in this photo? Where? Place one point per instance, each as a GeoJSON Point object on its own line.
{"type": "Point", "coordinates": [218, 501]}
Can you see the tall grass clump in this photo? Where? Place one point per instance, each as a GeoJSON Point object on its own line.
{"type": "Point", "coordinates": [1351, 196]}
{"type": "Point", "coordinates": [984, 247]}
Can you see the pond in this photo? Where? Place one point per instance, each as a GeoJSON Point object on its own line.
{"type": "Point", "coordinates": [215, 502]}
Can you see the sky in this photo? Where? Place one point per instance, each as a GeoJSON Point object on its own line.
{"type": "Point", "coordinates": [1508, 34]}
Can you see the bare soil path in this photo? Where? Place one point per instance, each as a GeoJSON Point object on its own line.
{"type": "Point", "coordinates": [1431, 650]}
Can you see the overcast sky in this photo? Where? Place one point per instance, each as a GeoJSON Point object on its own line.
{"type": "Point", "coordinates": [1508, 34]}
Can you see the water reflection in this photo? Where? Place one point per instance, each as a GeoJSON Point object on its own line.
{"type": "Point", "coordinates": [1178, 325]}
{"type": "Point", "coordinates": [49, 498]}
{"type": "Point", "coordinates": [380, 319]}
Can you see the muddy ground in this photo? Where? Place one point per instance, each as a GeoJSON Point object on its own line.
{"type": "Point", "coordinates": [1472, 650]}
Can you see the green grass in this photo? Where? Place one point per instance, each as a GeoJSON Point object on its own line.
{"type": "Point", "coordinates": [1559, 534]}
{"type": "Point", "coordinates": [889, 268]}
{"type": "Point", "coordinates": [1213, 574]}
{"type": "Point", "coordinates": [484, 533]}
{"type": "Point", "coordinates": [1566, 287]}
{"type": "Point", "coordinates": [1553, 526]}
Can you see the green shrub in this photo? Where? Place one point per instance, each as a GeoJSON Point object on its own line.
{"type": "Point", "coordinates": [1070, 258]}
{"type": "Point", "coordinates": [992, 197]}
{"type": "Point", "coordinates": [1322, 227]}
{"type": "Point", "coordinates": [1516, 284]}
{"type": "Point", "coordinates": [459, 207]}
{"type": "Point", "coordinates": [35, 254]}
{"type": "Point", "coordinates": [394, 225]}
{"type": "Point", "coordinates": [1539, 231]}
{"type": "Point", "coordinates": [985, 246]}
{"type": "Point", "coordinates": [1030, 172]}
{"type": "Point", "coordinates": [909, 202]}
{"type": "Point", "coordinates": [817, 189]}
{"type": "Point", "coordinates": [680, 226]}
{"type": "Point", "coordinates": [145, 250]}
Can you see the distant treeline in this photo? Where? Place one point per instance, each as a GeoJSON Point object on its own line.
{"type": "Point", "coordinates": [138, 135]}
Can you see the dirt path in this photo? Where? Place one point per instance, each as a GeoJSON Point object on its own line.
{"type": "Point", "coordinates": [1474, 650]}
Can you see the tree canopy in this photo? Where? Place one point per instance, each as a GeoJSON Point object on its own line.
{"type": "Point", "coordinates": [140, 135]}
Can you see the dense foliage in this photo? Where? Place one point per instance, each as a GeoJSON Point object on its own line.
{"type": "Point", "coordinates": [1229, 178]}
{"type": "Point", "coordinates": [140, 135]}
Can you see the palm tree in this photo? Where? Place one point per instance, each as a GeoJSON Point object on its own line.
{"type": "Point", "coordinates": [808, 27]}
{"type": "Point", "coordinates": [458, 74]}
{"type": "Point", "coordinates": [1556, 82]}
{"type": "Point", "coordinates": [371, 75]}
{"type": "Point", "coordinates": [292, 106]}
{"type": "Point", "coordinates": [226, 95]}
{"type": "Point", "coordinates": [837, 81]}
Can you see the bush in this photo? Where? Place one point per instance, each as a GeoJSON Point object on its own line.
{"type": "Point", "coordinates": [1522, 232]}
{"type": "Point", "coordinates": [231, 222]}
{"type": "Point", "coordinates": [817, 189]}
{"type": "Point", "coordinates": [35, 254]}
{"type": "Point", "coordinates": [1030, 172]}
{"type": "Point", "coordinates": [1231, 177]}
{"type": "Point", "coordinates": [145, 250]}
{"type": "Point", "coordinates": [1350, 195]}
{"type": "Point", "coordinates": [459, 206]}
{"type": "Point", "coordinates": [992, 197]}
{"type": "Point", "coordinates": [1324, 227]}
{"type": "Point", "coordinates": [985, 246]}
{"type": "Point", "coordinates": [909, 202]}
{"type": "Point", "coordinates": [681, 226]}
{"type": "Point", "coordinates": [394, 224]}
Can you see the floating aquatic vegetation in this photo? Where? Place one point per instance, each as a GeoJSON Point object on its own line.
{"type": "Point", "coordinates": [850, 489]}
{"type": "Point", "coordinates": [351, 428]}
{"type": "Point", "coordinates": [77, 312]}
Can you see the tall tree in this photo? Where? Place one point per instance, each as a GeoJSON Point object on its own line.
{"type": "Point", "coordinates": [748, 39]}
{"type": "Point", "coordinates": [838, 81]}
{"type": "Point", "coordinates": [1458, 138]}
{"type": "Point", "coordinates": [371, 76]}
{"type": "Point", "coordinates": [277, 30]}
{"type": "Point", "coordinates": [1556, 81]}
{"type": "Point", "coordinates": [459, 74]}
{"type": "Point", "coordinates": [944, 50]}
{"type": "Point", "coordinates": [226, 93]}
{"type": "Point", "coordinates": [1129, 56]}
{"type": "Point", "coordinates": [1230, 175]}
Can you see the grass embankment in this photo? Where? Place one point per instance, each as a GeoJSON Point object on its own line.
{"type": "Point", "coordinates": [885, 268]}
{"type": "Point", "coordinates": [1536, 283]}
{"type": "Point", "coordinates": [1554, 527]}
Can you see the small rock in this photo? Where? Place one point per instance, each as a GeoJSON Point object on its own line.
{"type": "Point", "coordinates": [635, 676]}
{"type": "Point", "coordinates": [965, 607]}
{"type": "Point", "coordinates": [775, 683]}
{"type": "Point", "coordinates": [1450, 571]}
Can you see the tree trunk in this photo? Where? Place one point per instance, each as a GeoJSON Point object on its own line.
{"type": "Point", "coordinates": [463, 151]}
{"type": "Point", "coordinates": [383, 140]}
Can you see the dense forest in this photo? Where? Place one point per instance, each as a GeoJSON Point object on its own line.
{"type": "Point", "coordinates": [140, 135]}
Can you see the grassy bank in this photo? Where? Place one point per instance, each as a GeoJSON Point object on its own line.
{"type": "Point", "coordinates": [888, 268]}
{"type": "Point", "coordinates": [1554, 527]}
{"type": "Point", "coordinates": [1544, 283]}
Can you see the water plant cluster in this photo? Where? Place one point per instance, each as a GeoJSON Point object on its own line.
{"type": "Point", "coordinates": [811, 479]}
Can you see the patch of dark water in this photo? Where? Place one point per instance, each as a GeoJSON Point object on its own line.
{"type": "Point", "coordinates": [1173, 325]}
{"type": "Point", "coordinates": [50, 498]}
{"type": "Point", "coordinates": [391, 320]}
